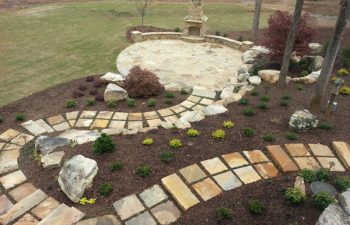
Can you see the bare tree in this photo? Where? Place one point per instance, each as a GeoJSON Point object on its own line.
{"type": "Point", "coordinates": [331, 55]}
{"type": "Point", "coordinates": [256, 21]}
{"type": "Point", "coordinates": [290, 43]}
{"type": "Point", "coordinates": [142, 7]}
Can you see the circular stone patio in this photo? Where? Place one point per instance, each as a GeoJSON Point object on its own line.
{"type": "Point", "coordinates": [178, 62]}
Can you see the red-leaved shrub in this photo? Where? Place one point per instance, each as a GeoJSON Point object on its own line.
{"type": "Point", "coordinates": [276, 35]}
{"type": "Point", "coordinates": [142, 83]}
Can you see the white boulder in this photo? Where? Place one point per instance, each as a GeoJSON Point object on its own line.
{"type": "Point", "coordinates": [212, 110]}
{"type": "Point", "coordinates": [192, 116]}
{"type": "Point", "coordinates": [114, 93]}
{"type": "Point", "coordinates": [227, 91]}
{"type": "Point", "coordinates": [315, 47]}
{"type": "Point", "coordinates": [333, 215]}
{"type": "Point", "coordinates": [255, 80]}
{"type": "Point", "coordinates": [270, 76]}
{"type": "Point", "coordinates": [234, 97]}
{"type": "Point", "coordinates": [113, 78]}
{"type": "Point", "coordinates": [309, 79]}
{"type": "Point", "coordinates": [303, 120]}
{"type": "Point", "coordinates": [344, 201]}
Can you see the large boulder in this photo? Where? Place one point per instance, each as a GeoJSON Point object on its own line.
{"type": "Point", "coordinates": [46, 145]}
{"type": "Point", "coordinates": [212, 110]}
{"type": "Point", "coordinates": [303, 120]}
{"type": "Point", "coordinates": [76, 175]}
{"type": "Point", "coordinates": [113, 78]}
{"type": "Point", "coordinates": [234, 97]}
{"type": "Point", "coordinates": [270, 76]}
{"type": "Point", "coordinates": [114, 93]}
{"type": "Point", "coordinates": [309, 79]}
{"type": "Point", "coordinates": [344, 200]}
{"type": "Point", "coordinates": [317, 63]}
{"type": "Point", "coordinates": [255, 80]}
{"type": "Point", "coordinates": [251, 54]}
{"type": "Point", "coordinates": [244, 68]}
{"type": "Point", "coordinates": [333, 215]}
{"type": "Point", "coordinates": [315, 48]}
{"type": "Point", "coordinates": [192, 116]}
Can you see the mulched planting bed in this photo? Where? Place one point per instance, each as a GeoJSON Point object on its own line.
{"type": "Point", "coordinates": [132, 153]}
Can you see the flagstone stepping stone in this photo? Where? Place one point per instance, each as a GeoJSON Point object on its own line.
{"type": "Point", "coordinates": [256, 156]}
{"type": "Point", "coordinates": [167, 125]}
{"type": "Point", "coordinates": [178, 109]}
{"type": "Point", "coordinates": [187, 104]}
{"type": "Point", "coordinates": [235, 160]}
{"type": "Point", "coordinates": [120, 116]}
{"type": "Point", "coordinates": [135, 116]}
{"type": "Point", "coordinates": [321, 150]}
{"type": "Point", "coordinates": [46, 145]}
{"type": "Point", "coordinates": [300, 184]}
{"type": "Point", "coordinates": [297, 150]}
{"type": "Point", "coordinates": [214, 165]}
{"type": "Point", "coordinates": [171, 119]}
{"type": "Point", "coordinates": [72, 115]}
{"type": "Point", "coordinates": [206, 101]}
{"type": "Point", "coordinates": [247, 174]}
{"type": "Point", "coordinates": [153, 195]}
{"type": "Point", "coordinates": [207, 189]}
{"type": "Point", "coordinates": [99, 123]}
{"type": "Point", "coordinates": [5, 204]}
{"type": "Point", "coordinates": [27, 219]}
{"type": "Point", "coordinates": [227, 181]}
{"type": "Point", "coordinates": [44, 125]}
{"type": "Point", "coordinates": [318, 186]}
{"type": "Point", "coordinates": [165, 112]}
{"type": "Point", "coordinates": [204, 93]}
{"type": "Point", "coordinates": [154, 122]}
{"type": "Point", "coordinates": [343, 151]}
{"type": "Point", "coordinates": [212, 110]}
{"type": "Point", "coordinates": [112, 131]}
{"type": "Point", "coordinates": [192, 173]}
{"type": "Point", "coordinates": [332, 163]}
{"type": "Point", "coordinates": [117, 124]}
{"type": "Point", "coordinates": [9, 147]}
{"type": "Point", "coordinates": [88, 115]}
{"type": "Point", "coordinates": [34, 128]}
{"type": "Point", "coordinates": [22, 139]}
{"type": "Point", "coordinates": [45, 208]}
{"type": "Point", "coordinates": [102, 220]}
{"type": "Point", "coordinates": [166, 213]}
{"type": "Point", "coordinates": [22, 191]}
{"type": "Point", "coordinates": [113, 78]}
{"type": "Point", "coordinates": [307, 163]}
{"type": "Point", "coordinates": [52, 160]}
{"type": "Point", "coordinates": [22, 207]}
{"type": "Point", "coordinates": [61, 127]}
{"type": "Point", "coordinates": [135, 125]}
{"type": "Point", "coordinates": [151, 115]}
{"type": "Point", "coordinates": [192, 116]}
{"type": "Point", "coordinates": [114, 93]}
{"type": "Point", "coordinates": [281, 158]}
{"type": "Point", "coordinates": [62, 215]}
{"type": "Point", "coordinates": [180, 192]}
{"type": "Point", "coordinates": [194, 99]}
{"type": "Point", "coordinates": [80, 136]}
{"type": "Point", "coordinates": [8, 160]}
{"type": "Point", "coordinates": [267, 170]}
{"type": "Point", "coordinates": [128, 207]}
{"type": "Point", "coordinates": [76, 175]}
{"type": "Point", "coordinates": [182, 124]}
{"type": "Point", "coordinates": [12, 179]}
{"type": "Point", "coordinates": [84, 123]}
{"type": "Point", "coordinates": [9, 135]}
{"type": "Point", "coordinates": [144, 219]}
{"type": "Point", "coordinates": [55, 120]}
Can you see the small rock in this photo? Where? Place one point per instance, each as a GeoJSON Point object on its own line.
{"type": "Point", "coordinates": [315, 48]}
{"type": "Point", "coordinates": [255, 80]}
{"type": "Point", "coordinates": [113, 78]}
{"type": "Point", "coordinates": [46, 145]}
{"type": "Point", "coordinates": [303, 119]}
{"type": "Point", "coordinates": [270, 76]}
{"type": "Point", "coordinates": [299, 183]}
{"type": "Point", "coordinates": [250, 55]}
{"type": "Point", "coordinates": [227, 91]}
{"type": "Point", "coordinates": [244, 77]}
{"type": "Point", "coordinates": [319, 186]}
{"type": "Point", "coordinates": [244, 68]}
{"type": "Point", "coordinates": [333, 215]}
{"type": "Point", "coordinates": [130, 132]}
{"type": "Point", "coordinates": [344, 201]}
{"type": "Point", "coordinates": [234, 97]}
{"type": "Point", "coordinates": [114, 93]}
{"type": "Point", "coordinates": [192, 116]}
{"type": "Point", "coordinates": [112, 131]}
{"type": "Point", "coordinates": [181, 124]}
{"type": "Point", "coordinates": [212, 110]}
{"type": "Point", "coordinates": [167, 125]}
{"type": "Point", "coordinates": [52, 160]}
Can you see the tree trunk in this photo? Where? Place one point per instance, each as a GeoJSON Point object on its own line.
{"type": "Point", "coordinates": [255, 29]}
{"type": "Point", "coordinates": [290, 43]}
{"type": "Point", "coordinates": [332, 52]}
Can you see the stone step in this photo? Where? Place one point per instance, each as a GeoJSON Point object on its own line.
{"type": "Point", "coordinates": [22, 207]}
{"type": "Point", "coordinates": [34, 128]}
{"type": "Point", "coordinates": [343, 151]}
{"type": "Point", "coordinates": [62, 215]}
{"type": "Point", "coordinates": [281, 158]}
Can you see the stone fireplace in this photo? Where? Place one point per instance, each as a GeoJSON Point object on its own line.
{"type": "Point", "coordinates": [195, 21]}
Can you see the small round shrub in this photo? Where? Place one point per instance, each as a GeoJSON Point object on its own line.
{"type": "Point", "coordinates": [105, 189]}
{"type": "Point", "coordinates": [148, 141]}
{"type": "Point", "coordinates": [249, 112]}
{"type": "Point", "coordinates": [168, 101]}
{"type": "Point", "coordinates": [325, 126]}
{"type": "Point", "coordinates": [192, 132]}
{"type": "Point", "coordinates": [142, 83]}
{"type": "Point", "coordinates": [89, 79]}
{"type": "Point", "coordinates": [175, 143]}
{"type": "Point", "coordinates": [284, 103]}
{"type": "Point", "coordinates": [265, 98]}
{"type": "Point", "coordinates": [169, 94]}
{"type": "Point", "coordinates": [151, 102]}
{"type": "Point", "coordinates": [308, 175]}
{"type": "Point", "coordinates": [304, 73]}
{"type": "Point", "coordinates": [294, 196]}
{"type": "Point", "coordinates": [254, 93]}
{"type": "Point", "coordinates": [222, 214]}
{"type": "Point", "coordinates": [103, 144]}
{"type": "Point", "coordinates": [70, 103]}
{"type": "Point", "coordinates": [90, 102]}
{"type": "Point", "coordinates": [256, 207]}
{"type": "Point", "coordinates": [263, 106]}
{"type": "Point", "coordinates": [243, 101]}
{"type": "Point", "coordinates": [131, 102]}
{"type": "Point", "coordinates": [248, 132]}
{"type": "Point", "coordinates": [167, 156]}
{"type": "Point", "coordinates": [19, 117]}
{"type": "Point", "coordinates": [229, 124]}
{"type": "Point", "coordinates": [323, 174]}
{"type": "Point", "coordinates": [322, 200]}
{"type": "Point", "coordinates": [117, 166]}
{"type": "Point", "coordinates": [143, 170]}
{"type": "Point", "coordinates": [218, 134]}
{"type": "Point", "coordinates": [268, 137]}
{"type": "Point", "coordinates": [286, 97]}
{"type": "Point", "coordinates": [342, 183]}
{"type": "Point", "coordinates": [177, 29]}
{"type": "Point", "coordinates": [112, 104]}
{"type": "Point", "coordinates": [292, 136]}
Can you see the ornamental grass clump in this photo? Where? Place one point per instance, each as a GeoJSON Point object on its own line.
{"type": "Point", "coordinates": [268, 137]}
{"type": "Point", "coordinates": [105, 189]}
{"type": "Point", "coordinates": [222, 214]}
{"type": "Point", "coordinates": [70, 103]}
{"type": "Point", "coordinates": [218, 134]}
{"type": "Point", "coordinates": [192, 132]}
{"type": "Point", "coordinates": [249, 112]}
{"type": "Point", "coordinates": [175, 143]}
{"type": "Point", "coordinates": [248, 132]}
{"type": "Point", "coordinates": [292, 136]}
{"type": "Point", "coordinates": [103, 144]}
{"type": "Point", "coordinates": [117, 166]}
{"type": "Point", "coordinates": [143, 170]}
{"type": "Point", "coordinates": [256, 207]}
{"type": "Point", "coordinates": [167, 156]}
{"type": "Point", "coordinates": [148, 141]}
{"type": "Point", "coordinates": [229, 124]}
{"type": "Point", "coordinates": [151, 102]}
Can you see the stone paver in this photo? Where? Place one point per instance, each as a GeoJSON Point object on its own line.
{"type": "Point", "coordinates": [84, 123]}
{"type": "Point", "coordinates": [343, 151]}
{"type": "Point", "coordinates": [266, 170]}
{"type": "Point", "coordinates": [34, 128]}
{"type": "Point", "coordinates": [12, 179]}
{"type": "Point", "coordinates": [22, 139]}
{"type": "Point", "coordinates": [88, 114]}
{"type": "Point", "coordinates": [55, 120]}
{"type": "Point", "coordinates": [135, 116]}
{"type": "Point", "coordinates": [187, 104]}
{"type": "Point", "coordinates": [154, 122]}
{"type": "Point", "coordinates": [99, 123]}
{"type": "Point", "coordinates": [198, 108]}
{"type": "Point", "coordinates": [62, 215]}
{"type": "Point", "coordinates": [22, 207]}
{"type": "Point", "coordinates": [72, 123]}
{"type": "Point", "coordinates": [321, 150]}
{"type": "Point", "coordinates": [256, 156]}
{"type": "Point", "coordinates": [9, 147]}
{"type": "Point", "coordinates": [166, 213]}
{"type": "Point", "coordinates": [227, 181]}
{"type": "Point", "coordinates": [307, 163]}
{"type": "Point", "coordinates": [326, 163]}
{"type": "Point", "coordinates": [194, 99]}
{"type": "Point", "coordinates": [165, 112]}
{"type": "Point", "coordinates": [192, 173]}
{"type": "Point", "coordinates": [128, 206]}
{"type": "Point", "coordinates": [171, 119]}
{"type": "Point", "coordinates": [120, 116]}
{"type": "Point", "coordinates": [22, 191]}
{"type": "Point", "coordinates": [45, 208]}
{"type": "Point", "coordinates": [107, 115]}
{"type": "Point", "coordinates": [153, 196]}
{"type": "Point", "coordinates": [102, 220]}
{"type": "Point", "coordinates": [27, 219]}
{"type": "Point", "coordinates": [235, 160]}
{"type": "Point", "coordinates": [2, 144]}
{"type": "Point", "coordinates": [52, 160]}
{"type": "Point", "coordinates": [61, 126]}
{"type": "Point", "coordinates": [247, 174]}
{"type": "Point", "coordinates": [180, 192]}
{"type": "Point", "coordinates": [5, 204]}
{"type": "Point", "coordinates": [214, 165]}
{"type": "Point", "coordinates": [144, 219]}
{"type": "Point", "coordinates": [44, 125]}
{"type": "Point", "coordinates": [151, 115]}
{"type": "Point", "coordinates": [207, 189]}
{"type": "Point", "coordinates": [178, 109]}
{"type": "Point", "coordinates": [72, 115]}
{"type": "Point", "coordinates": [8, 160]}
{"type": "Point", "coordinates": [281, 158]}
{"type": "Point", "coordinates": [204, 93]}
{"type": "Point", "coordinates": [297, 150]}
{"type": "Point", "coordinates": [135, 125]}
{"type": "Point", "coordinates": [9, 134]}
{"type": "Point", "coordinates": [206, 101]}
{"type": "Point", "coordinates": [117, 124]}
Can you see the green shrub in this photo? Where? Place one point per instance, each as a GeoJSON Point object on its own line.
{"type": "Point", "coordinates": [254, 93]}
{"type": "Point", "coordinates": [248, 132]}
{"type": "Point", "coordinates": [322, 200]}
{"type": "Point", "coordinates": [90, 102]}
{"type": "Point", "coordinates": [112, 104]}
{"type": "Point", "coordinates": [103, 145]}
{"type": "Point", "coordinates": [292, 136]}
{"type": "Point", "coordinates": [105, 189]}
{"type": "Point", "coordinates": [70, 103]}
{"type": "Point", "coordinates": [175, 143]}
{"type": "Point", "coordinates": [343, 72]}
{"type": "Point", "coordinates": [169, 94]}
{"type": "Point", "coordinates": [217, 33]}
{"type": "Point", "coordinates": [325, 126]}
{"type": "Point", "coordinates": [256, 207]}
{"type": "Point", "coordinates": [192, 132]}
{"type": "Point", "coordinates": [218, 134]}
{"type": "Point", "coordinates": [345, 90]}
{"type": "Point", "coordinates": [229, 124]}
{"type": "Point", "coordinates": [20, 117]}
{"type": "Point", "coordinates": [167, 156]}
{"type": "Point", "coordinates": [308, 175]}
{"type": "Point", "coordinates": [342, 183]}
{"type": "Point", "coordinates": [284, 103]}
{"type": "Point", "coordinates": [268, 137]}
{"type": "Point", "coordinates": [249, 112]}
{"type": "Point", "coordinates": [222, 214]}
{"type": "Point", "coordinates": [304, 73]}
{"type": "Point", "coordinates": [286, 97]}
{"type": "Point", "coordinates": [265, 98]}
{"type": "Point", "coordinates": [263, 106]}
{"type": "Point", "coordinates": [294, 196]}
{"type": "Point", "coordinates": [168, 101]}
{"type": "Point", "coordinates": [345, 58]}
{"type": "Point", "coordinates": [177, 29]}
{"type": "Point", "coordinates": [323, 175]}
{"type": "Point", "coordinates": [143, 170]}
{"type": "Point", "coordinates": [151, 102]}
{"type": "Point", "coordinates": [148, 141]}
{"type": "Point", "coordinates": [300, 87]}
{"type": "Point", "coordinates": [131, 102]}
{"type": "Point", "coordinates": [243, 101]}
{"type": "Point", "coordinates": [117, 166]}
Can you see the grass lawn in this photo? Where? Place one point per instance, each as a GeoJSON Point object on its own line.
{"type": "Point", "coordinates": [47, 45]}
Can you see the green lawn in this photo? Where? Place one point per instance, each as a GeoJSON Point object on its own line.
{"type": "Point", "coordinates": [47, 45]}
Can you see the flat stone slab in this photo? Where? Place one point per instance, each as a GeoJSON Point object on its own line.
{"type": "Point", "coordinates": [151, 115]}
{"type": "Point", "coordinates": [52, 160]}
{"type": "Point", "coordinates": [44, 125]}
{"type": "Point", "coordinates": [247, 174]}
{"type": "Point", "coordinates": [154, 122]}
{"type": "Point", "coordinates": [27, 219]}
{"type": "Point", "coordinates": [120, 116]}
{"type": "Point", "coordinates": [227, 181]}
{"type": "Point", "coordinates": [135, 125]}
{"type": "Point", "coordinates": [178, 109]}
{"type": "Point", "coordinates": [296, 150]}
{"type": "Point", "coordinates": [45, 208]}
{"type": "Point", "coordinates": [153, 196]}
{"type": "Point", "coordinates": [34, 128]}
{"type": "Point", "coordinates": [187, 104]}
{"type": "Point", "coordinates": [84, 123]}
{"type": "Point", "coordinates": [235, 160]}
{"type": "Point", "coordinates": [107, 115]}
{"type": "Point", "coordinates": [8, 160]}
{"type": "Point", "coordinates": [12, 179]}
{"type": "Point", "coordinates": [102, 220]}
{"type": "Point", "coordinates": [72, 115]}
{"type": "Point", "coordinates": [88, 114]}
{"type": "Point", "coordinates": [343, 151]}
{"type": "Point", "coordinates": [194, 99]}
{"type": "Point", "coordinates": [214, 165]}
{"type": "Point", "coordinates": [192, 173]}
{"type": "Point", "coordinates": [207, 189]}
{"type": "Point", "coordinates": [256, 156]}
{"type": "Point", "coordinates": [180, 192]}
{"type": "Point", "coordinates": [46, 144]}
{"type": "Point", "coordinates": [266, 170]}
{"type": "Point", "coordinates": [117, 124]}
{"type": "Point", "coordinates": [62, 215]}
{"type": "Point", "coordinates": [144, 219]}
{"type": "Point", "coordinates": [307, 163]}
{"type": "Point", "coordinates": [9, 134]}
{"type": "Point", "coordinates": [281, 158]}
{"type": "Point", "coordinates": [321, 150]}
{"type": "Point", "coordinates": [204, 93]}
{"type": "Point", "coordinates": [165, 112]}
{"type": "Point", "coordinates": [166, 213]}
{"type": "Point", "coordinates": [61, 126]}
{"type": "Point", "coordinates": [195, 63]}
{"type": "Point", "coordinates": [318, 186]}
{"type": "Point", "coordinates": [80, 136]}
{"type": "Point", "coordinates": [55, 120]}
{"type": "Point", "coordinates": [22, 191]}
{"type": "Point", "coordinates": [5, 204]}
{"type": "Point", "coordinates": [22, 139]}
{"type": "Point", "coordinates": [128, 206]}
{"type": "Point", "coordinates": [327, 161]}
{"type": "Point", "coordinates": [135, 116]}
{"type": "Point", "coordinates": [99, 123]}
